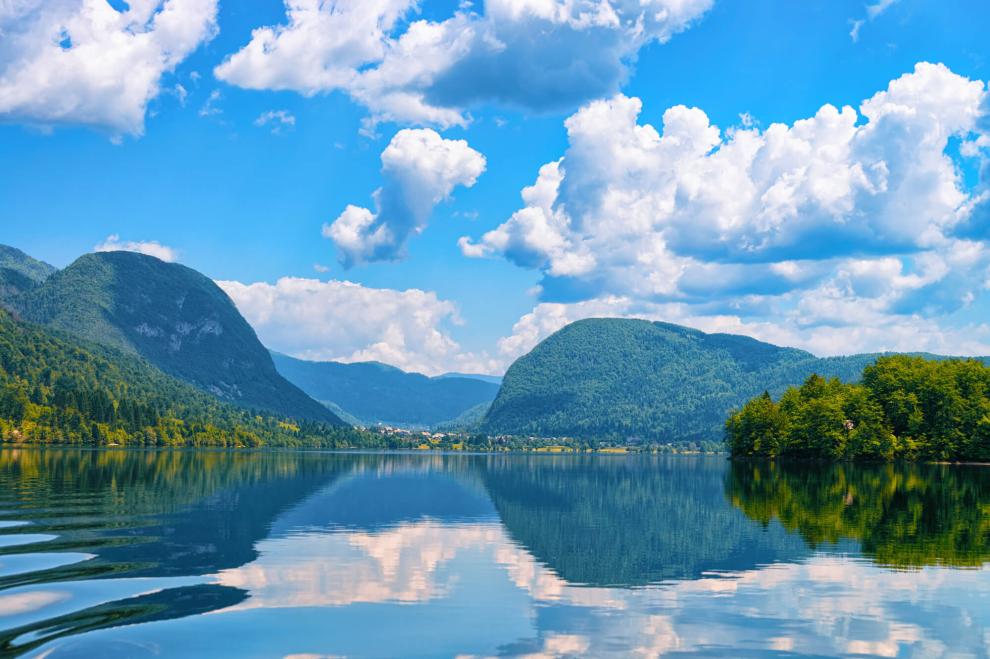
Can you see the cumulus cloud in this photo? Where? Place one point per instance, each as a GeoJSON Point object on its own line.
{"type": "Point", "coordinates": [535, 54]}
{"type": "Point", "coordinates": [875, 332]}
{"type": "Point", "coordinates": [419, 170]}
{"type": "Point", "coordinates": [149, 247]}
{"type": "Point", "coordinates": [843, 231]}
{"type": "Point", "coordinates": [85, 62]}
{"type": "Point", "coordinates": [344, 321]}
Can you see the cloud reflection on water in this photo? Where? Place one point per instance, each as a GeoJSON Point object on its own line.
{"type": "Point", "coordinates": [828, 604]}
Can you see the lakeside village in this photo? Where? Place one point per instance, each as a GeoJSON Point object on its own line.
{"type": "Point", "coordinates": [424, 439]}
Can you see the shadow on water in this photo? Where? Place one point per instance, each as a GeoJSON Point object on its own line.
{"type": "Point", "coordinates": [902, 515]}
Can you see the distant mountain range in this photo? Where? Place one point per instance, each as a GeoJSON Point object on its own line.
{"type": "Point", "coordinates": [182, 323]}
{"type": "Point", "coordinates": [177, 319]}
{"type": "Point", "coordinates": [615, 378]}
{"type": "Point", "coordinates": [656, 381]}
{"type": "Point", "coordinates": [494, 379]}
{"type": "Point", "coordinates": [372, 392]}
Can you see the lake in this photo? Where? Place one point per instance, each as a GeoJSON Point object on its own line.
{"type": "Point", "coordinates": [179, 554]}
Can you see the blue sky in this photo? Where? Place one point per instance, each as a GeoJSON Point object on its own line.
{"type": "Point", "coordinates": [167, 143]}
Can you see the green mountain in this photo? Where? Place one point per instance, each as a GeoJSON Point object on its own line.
{"type": "Point", "coordinates": [494, 379]}
{"type": "Point", "coordinates": [57, 388]}
{"type": "Point", "coordinates": [172, 316]}
{"type": "Point", "coordinates": [655, 381]}
{"type": "Point", "coordinates": [377, 393]}
{"type": "Point", "coordinates": [20, 273]}
{"type": "Point", "coordinates": [14, 259]}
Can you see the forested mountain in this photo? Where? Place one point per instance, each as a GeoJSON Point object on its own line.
{"type": "Point", "coordinates": [494, 379]}
{"type": "Point", "coordinates": [14, 259]}
{"type": "Point", "coordinates": [378, 393]}
{"type": "Point", "coordinates": [171, 315]}
{"type": "Point", "coordinates": [19, 272]}
{"type": "Point", "coordinates": [56, 388]}
{"type": "Point", "coordinates": [656, 381]}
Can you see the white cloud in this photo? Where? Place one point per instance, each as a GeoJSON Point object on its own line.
{"type": "Point", "coordinates": [877, 332]}
{"type": "Point", "coordinates": [211, 107]}
{"type": "Point", "coordinates": [149, 247]}
{"type": "Point", "coordinates": [181, 93]}
{"type": "Point", "coordinates": [845, 231]}
{"type": "Point", "coordinates": [321, 47]}
{"type": "Point", "coordinates": [872, 12]}
{"type": "Point", "coordinates": [84, 62]}
{"type": "Point", "coordinates": [278, 120]}
{"type": "Point", "coordinates": [536, 54]}
{"type": "Point", "coordinates": [419, 170]}
{"type": "Point", "coordinates": [633, 209]}
{"type": "Point", "coordinates": [344, 321]}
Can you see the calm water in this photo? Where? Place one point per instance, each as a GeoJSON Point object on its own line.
{"type": "Point", "coordinates": [106, 554]}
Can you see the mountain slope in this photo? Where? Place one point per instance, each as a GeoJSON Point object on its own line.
{"type": "Point", "coordinates": [494, 379]}
{"type": "Point", "coordinates": [176, 318]}
{"type": "Point", "coordinates": [20, 273]}
{"type": "Point", "coordinates": [656, 381]}
{"type": "Point", "coordinates": [14, 259]}
{"type": "Point", "coordinates": [378, 393]}
{"type": "Point", "coordinates": [56, 388]}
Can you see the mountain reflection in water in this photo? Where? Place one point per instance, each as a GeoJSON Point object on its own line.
{"type": "Point", "coordinates": [276, 554]}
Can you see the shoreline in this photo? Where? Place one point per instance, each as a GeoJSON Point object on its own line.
{"type": "Point", "coordinates": [351, 451]}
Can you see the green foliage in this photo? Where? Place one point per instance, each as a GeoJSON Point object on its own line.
{"type": "Point", "coordinates": [15, 260]}
{"type": "Point", "coordinates": [468, 419]}
{"type": "Point", "coordinates": [625, 379]}
{"type": "Point", "coordinates": [905, 407]}
{"type": "Point", "coordinates": [172, 316]}
{"type": "Point", "coordinates": [379, 393]}
{"type": "Point", "coordinates": [19, 273]}
{"type": "Point", "coordinates": [904, 515]}
{"type": "Point", "coordinates": [55, 389]}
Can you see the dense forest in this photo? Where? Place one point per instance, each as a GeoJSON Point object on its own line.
{"type": "Point", "coordinates": [904, 407]}
{"type": "Point", "coordinates": [173, 317]}
{"type": "Point", "coordinates": [635, 379]}
{"type": "Point", "coordinates": [57, 389]}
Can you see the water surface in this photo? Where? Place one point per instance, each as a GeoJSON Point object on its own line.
{"type": "Point", "coordinates": [168, 554]}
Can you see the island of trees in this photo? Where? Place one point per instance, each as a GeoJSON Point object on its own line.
{"type": "Point", "coordinates": [904, 407]}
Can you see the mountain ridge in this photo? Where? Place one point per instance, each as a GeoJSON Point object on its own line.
{"type": "Point", "coordinates": [173, 316]}
{"type": "Point", "coordinates": [647, 380]}
{"type": "Point", "coordinates": [57, 388]}
{"type": "Point", "coordinates": [20, 273]}
{"type": "Point", "coordinates": [373, 392]}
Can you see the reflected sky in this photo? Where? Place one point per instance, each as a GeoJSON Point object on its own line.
{"type": "Point", "coordinates": [493, 555]}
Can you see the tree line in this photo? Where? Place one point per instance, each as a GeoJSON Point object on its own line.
{"type": "Point", "coordinates": [905, 407]}
{"type": "Point", "coordinates": [55, 389]}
